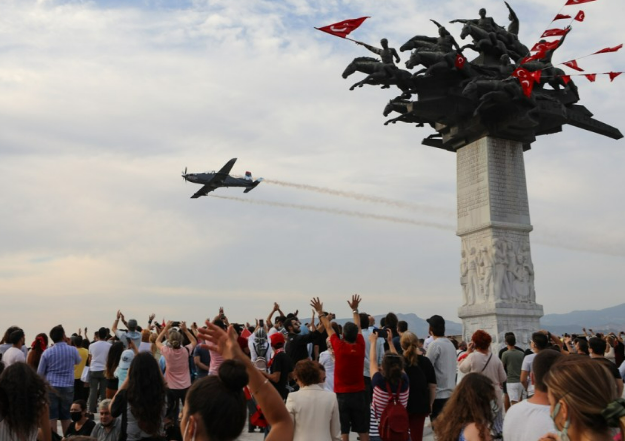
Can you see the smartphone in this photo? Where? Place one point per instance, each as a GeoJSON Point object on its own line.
{"type": "Point", "coordinates": [176, 324]}
{"type": "Point", "coordinates": [261, 323]}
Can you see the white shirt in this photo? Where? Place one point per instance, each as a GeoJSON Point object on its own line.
{"type": "Point", "coordinates": [327, 360]}
{"type": "Point", "coordinates": [527, 367]}
{"type": "Point", "coordinates": [13, 355]}
{"type": "Point", "coordinates": [526, 421]}
{"type": "Point", "coordinates": [99, 352]}
{"type": "Point", "coordinates": [442, 354]}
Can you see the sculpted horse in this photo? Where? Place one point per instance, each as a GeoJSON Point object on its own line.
{"type": "Point", "coordinates": [420, 42]}
{"type": "Point", "coordinates": [379, 74]}
{"type": "Point", "coordinates": [401, 106]}
{"type": "Point", "coordinates": [483, 41]}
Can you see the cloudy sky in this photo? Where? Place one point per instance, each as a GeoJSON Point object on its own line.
{"type": "Point", "coordinates": [103, 104]}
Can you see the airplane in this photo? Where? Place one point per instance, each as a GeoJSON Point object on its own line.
{"type": "Point", "coordinates": [220, 179]}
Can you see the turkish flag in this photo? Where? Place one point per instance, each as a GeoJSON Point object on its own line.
{"type": "Point", "coordinates": [577, 2]}
{"type": "Point", "coordinates": [343, 28]}
{"type": "Point", "coordinates": [460, 62]}
{"type": "Point", "coordinates": [537, 56]}
{"type": "Point", "coordinates": [561, 17]}
{"type": "Point", "coordinates": [526, 80]}
{"type": "Point", "coordinates": [536, 75]}
{"type": "Point", "coordinates": [573, 65]}
{"type": "Point", "coordinates": [614, 75]}
{"type": "Point", "coordinates": [566, 78]}
{"type": "Point", "coordinates": [545, 46]}
{"type": "Point", "coordinates": [580, 16]}
{"type": "Point", "coordinates": [609, 49]}
{"type": "Point", "coordinates": [591, 77]}
{"type": "Point", "coordinates": [554, 32]}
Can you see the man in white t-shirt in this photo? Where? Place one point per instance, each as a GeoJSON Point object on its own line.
{"type": "Point", "coordinates": [442, 354]}
{"type": "Point", "coordinates": [98, 353]}
{"type": "Point", "coordinates": [538, 343]}
{"type": "Point", "coordinates": [14, 354]}
{"type": "Point", "coordinates": [530, 419]}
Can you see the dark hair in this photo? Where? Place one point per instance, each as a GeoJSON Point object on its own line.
{"type": "Point", "coordinates": [438, 329]}
{"type": "Point", "coordinates": [289, 323]}
{"type": "Point", "coordinates": [16, 336]}
{"type": "Point", "coordinates": [280, 318]}
{"type": "Point", "coordinates": [510, 339]}
{"type": "Point", "coordinates": [382, 322]}
{"type": "Point", "coordinates": [597, 345]}
{"type": "Point", "coordinates": [76, 341]}
{"type": "Point", "coordinates": [583, 345]}
{"type": "Point", "coordinates": [364, 320]}
{"type": "Point", "coordinates": [112, 360]}
{"type": "Point", "coordinates": [482, 339]}
{"type": "Point", "coordinates": [102, 333]}
{"type": "Point", "coordinates": [307, 372]}
{"type": "Point", "coordinates": [146, 392]}
{"type": "Point", "coordinates": [350, 332]}
{"type": "Point", "coordinates": [540, 366]}
{"type": "Point", "coordinates": [219, 322]}
{"type": "Point", "coordinates": [220, 402]}
{"type": "Point", "coordinates": [402, 326]}
{"type": "Point", "coordinates": [23, 399]}
{"type": "Point", "coordinates": [469, 403]}
{"type": "Point", "coordinates": [82, 404]}
{"type": "Point", "coordinates": [5, 337]}
{"type": "Point", "coordinates": [57, 333]}
{"type": "Point", "coordinates": [392, 367]}
{"type": "Point", "coordinates": [540, 340]}
{"type": "Point", "coordinates": [391, 321]}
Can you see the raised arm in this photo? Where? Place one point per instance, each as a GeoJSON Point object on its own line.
{"type": "Point", "coordinates": [116, 322]}
{"type": "Point", "coordinates": [161, 336]}
{"type": "Point", "coordinates": [373, 354]}
{"type": "Point", "coordinates": [354, 305]}
{"type": "Point", "coordinates": [276, 307]}
{"type": "Point", "coordinates": [323, 317]}
{"type": "Point", "coordinates": [189, 334]}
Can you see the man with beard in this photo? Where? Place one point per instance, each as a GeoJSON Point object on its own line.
{"type": "Point", "coordinates": [109, 428]}
{"type": "Point", "coordinates": [296, 342]}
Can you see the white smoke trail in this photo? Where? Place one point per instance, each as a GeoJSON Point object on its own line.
{"type": "Point", "coordinates": [365, 198]}
{"type": "Point", "coordinates": [340, 212]}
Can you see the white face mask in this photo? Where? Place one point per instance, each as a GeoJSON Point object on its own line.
{"type": "Point", "coordinates": [563, 434]}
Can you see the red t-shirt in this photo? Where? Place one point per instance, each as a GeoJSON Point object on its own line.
{"type": "Point", "coordinates": [349, 360]}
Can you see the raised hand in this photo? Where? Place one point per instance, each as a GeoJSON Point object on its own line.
{"type": "Point", "coordinates": [355, 302]}
{"type": "Point", "coordinates": [317, 305]}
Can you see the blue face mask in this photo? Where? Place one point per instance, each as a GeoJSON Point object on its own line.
{"type": "Point", "coordinates": [563, 434]}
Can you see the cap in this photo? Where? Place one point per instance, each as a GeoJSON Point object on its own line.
{"type": "Point", "coordinates": [132, 324]}
{"type": "Point", "coordinates": [436, 320]}
{"type": "Point", "coordinates": [127, 356]}
{"type": "Point", "coordinates": [277, 338]}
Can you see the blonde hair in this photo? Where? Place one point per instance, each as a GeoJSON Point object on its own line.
{"type": "Point", "coordinates": [587, 388]}
{"type": "Point", "coordinates": [410, 344]}
{"type": "Point", "coordinates": [175, 339]}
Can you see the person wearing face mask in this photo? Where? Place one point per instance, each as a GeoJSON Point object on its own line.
{"type": "Point", "coordinates": [583, 400]}
{"type": "Point", "coordinates": [81, 424]}
{"type": "Point", "coordinates": [109, 428]}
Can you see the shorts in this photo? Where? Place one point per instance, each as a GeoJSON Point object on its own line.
{"type": "Point", "coordinates": [61, 399]}
{"type": "Point", "coordinates": [515, 391]}
{"type": "Point", "coordinates": [353, 412]}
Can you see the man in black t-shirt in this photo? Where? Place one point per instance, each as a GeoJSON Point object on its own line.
{"type": "Point", "coordinates": [280, 365]}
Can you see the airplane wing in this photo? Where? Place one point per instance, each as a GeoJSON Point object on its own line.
{"type": "Point", "coordinates": [204, 191]}
{"type": "Point", "coordinates": [223, 173]}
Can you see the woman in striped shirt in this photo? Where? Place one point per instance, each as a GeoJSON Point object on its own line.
{"type": "Point", "coordinates": [391, 374]}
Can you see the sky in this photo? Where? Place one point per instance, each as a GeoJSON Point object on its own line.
{"type": "Point", "coordinates": [104, 103]}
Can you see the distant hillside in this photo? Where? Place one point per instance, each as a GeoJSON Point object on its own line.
{"type": "Point", "coordinates": [416, 324]}
{"type": "Point", "coordinates": [609, 319]}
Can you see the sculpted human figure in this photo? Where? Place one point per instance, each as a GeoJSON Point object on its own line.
{"type": "Point", "coordinates": [388, 55]}
{"type": "Point", "coordinates": [473, 283]}
{"type": "Point", "coordinates": [486, 264]}
{"type": "Point", "coordinates": [529, 268]}
{"type": "Point", "coordinates": [484, 22]}
{"type": "Point", "coordinates": [513, 27]}
{"type": "Point", "coordinates": [464, 269]}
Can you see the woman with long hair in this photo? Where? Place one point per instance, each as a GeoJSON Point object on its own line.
{"type": "Point", "coordinates": [468, 414]}
{"type": "Point", "coordinates": [583, 399]}
{"type": "Point", "coordinates": [81, 424]}
{"type": "Point", "coordinates": [215, 409]}
{"type": "Point", "coordinates": [112, 361]}
{"type": "Point", "coordinates": [422, 379]}
{"type": "Point", "coordinates": [142, 398]}
{"type": "Point", "coordinates": [24, 413]}
{"type": "Point", "coordinates": [37, 347]}
{"type": "Point", "coordinates": [388, 382]}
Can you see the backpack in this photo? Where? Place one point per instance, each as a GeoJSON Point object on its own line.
{"type": "Point", "coordinates": [393, 424]}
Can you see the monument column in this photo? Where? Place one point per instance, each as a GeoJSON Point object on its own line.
{"type": "Point", "coordinates": [496, 270]}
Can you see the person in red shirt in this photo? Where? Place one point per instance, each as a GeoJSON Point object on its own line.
{"type": "Point", "coordinates": [349, 353]}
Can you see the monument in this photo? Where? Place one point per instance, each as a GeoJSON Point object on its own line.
{"type": "Point", "coordinates": [487, 111]}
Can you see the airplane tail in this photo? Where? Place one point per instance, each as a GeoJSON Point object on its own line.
{"type": "Point", "coordinates": [253, 186]}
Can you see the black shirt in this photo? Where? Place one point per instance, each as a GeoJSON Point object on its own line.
{"type": "Point", "coordinates": [85, 430]}
{"type": "Point", "coordinates": [281, 363]}
{"type": "Point", "coordinates": [420, 376]}
{"type": "Point", "coordinates": [297, 345]}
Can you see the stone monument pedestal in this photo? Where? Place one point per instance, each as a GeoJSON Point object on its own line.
{"type": "Point", "coordinates": [496, 270]}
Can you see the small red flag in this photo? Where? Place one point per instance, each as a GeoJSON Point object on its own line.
{"type": "Point", "coordinates": [614, 75]}
{"type": "Point", "coordinates": [565, 78]}
{"type": "Point", "coordinates": [554, 32]}
{"type": "Point", "coordinates": [525, 79]}
{"type": "Point", "coordinates": [573, 65]}
{"type": "Point", "coordinates": [343, 28]}
{"type": "Point", "coordinates": [536, 75]}
{"type": "Point", "coordinates": [561, 17]}
{"type": "Point", "coordinates": [460, 62]}
{"type": "Point", "coordinates": [609, 49]}
{"type": "Point", "coordinates": [545, 46]}
{"type": "Point", "coordinates": [580, 16]}
{"type": "Point", "coordinates": [577, 2]}
{"type": "Point", "coordinates": [591, 77]}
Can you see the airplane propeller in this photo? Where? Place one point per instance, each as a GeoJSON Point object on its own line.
{"type": "Point", "coordinates": [184, 174]}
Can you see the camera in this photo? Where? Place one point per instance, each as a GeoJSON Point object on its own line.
{"type": "Point", "coordinates": [175, 324]}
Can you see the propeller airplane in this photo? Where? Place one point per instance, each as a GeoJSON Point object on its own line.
{"type": "Point", "coordinates": [213, 180]}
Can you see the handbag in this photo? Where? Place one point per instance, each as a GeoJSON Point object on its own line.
{"type": "Point", "coordinates": [84, 377]}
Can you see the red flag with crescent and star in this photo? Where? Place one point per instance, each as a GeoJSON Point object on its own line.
{"type": "Point", "coordinates": [561, 17]}
{"type": "Point", "coordinates": [591, 77]}
{"type": "Point", "coordinates": [554, 32]}
{"type": "Point", "coordinates": [577, 2]}
{"type": "Point", "coordinates": [343, 28]}
{"type": "Point", "coordinates": [545, 46]}
{"type": "Point", "coordinates": [526, 80]}
{"type": "Point", "coordinates": [460, 62]}
{"type": "Point", "coordinates": [573, 65]}
{"type": "Point", "coordinates": [609, 49]}
{"type": "Point", "coordinates": [613, 75]}
{"type": "Point", "coordinates": [580, 16]}
{"type": "Point", "coordinates": [565, 78]}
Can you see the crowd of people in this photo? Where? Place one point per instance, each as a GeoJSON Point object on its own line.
{"type": "Point", "coordinates": [318, 380]}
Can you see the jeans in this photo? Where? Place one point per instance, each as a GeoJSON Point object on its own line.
{"type": "Point", "coordinates": [60, 401]}
{"type": "Point", "coordinates": [97, 387]}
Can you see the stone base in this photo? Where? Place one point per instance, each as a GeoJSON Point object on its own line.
{"type": "Point", "coordinates": [498, 318]}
